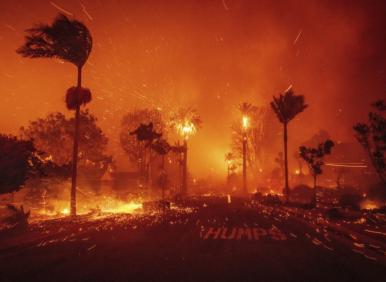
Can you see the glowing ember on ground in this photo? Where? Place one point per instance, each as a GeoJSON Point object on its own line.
{"type": "Point", "coordinates": [369, 205]}
{"type": "Point", "coordinates": [104, 205]}
{"type": "Point", "coordinates": [65, 211]}
{"type": "Point", "coordinates": [123, 208]}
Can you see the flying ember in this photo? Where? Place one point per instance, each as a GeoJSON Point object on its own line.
{"type": "Point", "coordinates": [222, 140]}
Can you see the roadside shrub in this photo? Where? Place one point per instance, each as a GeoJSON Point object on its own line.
{"type": "Point", "coordinates": [377, 192]}
{"type": "Point", "coordinates": [271, 200]}
{"type": "Point", "coordinates": [351, 201]}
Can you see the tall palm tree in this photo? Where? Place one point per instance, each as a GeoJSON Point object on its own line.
{"type": "Point", "coordinates": [246, 109]}
{"type": "Point", "coordinates": [286, 107]}
{"type": "Point", "coordinates": [186, 121]}
{"type": "Point", "coordinates": [146, 133]}
{"type": "Point", "coordinates": [71, 41]}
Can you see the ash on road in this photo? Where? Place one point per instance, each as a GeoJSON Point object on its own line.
{"type": "Point", "coordinates": [205, 240]}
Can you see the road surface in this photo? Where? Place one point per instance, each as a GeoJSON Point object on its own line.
{"type": "Point", "coordinates": [207, 239]}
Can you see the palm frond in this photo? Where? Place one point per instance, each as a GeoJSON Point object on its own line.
{"type": "Point", "coordinates": [65, 39]}
{"type": "Point", "coordinates": [288, 105]}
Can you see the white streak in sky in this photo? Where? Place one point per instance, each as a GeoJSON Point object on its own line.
{"type": "Point", "coordinates": [10, 27]}
{"type": "Point", "coordinates": [86, 12]}
{"type": "Point", "coordinates": [225, 5]}
{"type": "Point", "coordinates": [298, 36]}
{"type": "Point", "coordinates": [61, 9]}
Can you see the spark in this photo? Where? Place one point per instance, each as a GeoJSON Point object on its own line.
{"type": "Point", "coordinates": [8, 75]}
{"type": "Point", "coordinates": [61, 9]}
{"type": "Point", "coordinates": [375, 232]}
{"type": "Point", "coordinates": [86, 12]}
{"type": "Point", "coordinates": [225, 5]}
{"type": "Point", "coordinates": [298, 36]}
{"type": "Point", "coordinates": [245, 122]}
{"type": "Point", "coordinates": [289, 88]}
{"type": "Point", "coordinates": [10, 27]}
{"type": "Point", "coordinates": [351, 165]}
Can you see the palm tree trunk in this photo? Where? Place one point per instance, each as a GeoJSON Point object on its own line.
{"type": "Point", "coordinates": [75, 151]}
{"type": "Point", "coordinates": [286, 188]}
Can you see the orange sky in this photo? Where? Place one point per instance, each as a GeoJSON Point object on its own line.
{"type": "Point", "coordinates": [209, 54]}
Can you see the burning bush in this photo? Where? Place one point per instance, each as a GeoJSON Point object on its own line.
{"type": "Point", "coordinates": [272, 200]}
{"type": "Point", "coordinates": [15, 219]}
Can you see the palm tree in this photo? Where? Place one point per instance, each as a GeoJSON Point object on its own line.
{"type": "Point", "coordinates": [146, 133]}
{"type": "Point", "coordinates": [286, 107]}
{"type": "Point", "coordinates": [186, 121]}
{"type": "Point", "coordinates": [230, 159]}
{"type": "Point", "coordinates": [314, 159]}
{"type": "Point", "coordinates": [162, 147]}
{"type": "Point", "coordinates": [246, 109]}
{"type": "Point", "coordinates": [71, 41]}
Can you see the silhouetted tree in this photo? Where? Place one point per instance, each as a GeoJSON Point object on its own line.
{"type": "Point", "coordinates": [286, 107]}
{"type": "Point", "coordinates": [52, 136]}
{"type": "Point", "coordinates": [18, 161]}
{"type": "Point", "coordinates": [314, 159]}
{"type": "Point", "coordinates": [261, 138]}
{"type": "Point", "coordinates": [68, 40]}
{"type": "Point", "coordinates": [372, 136]}
{"type": "Point", "coordinates": [317, 138]}
{"type": "Point", "coordinates": [146, 134]}
{"type": "Point", "coordinates": [162, 148]}
{"type": "Point", "coordinates": [230, 159]}
{"type": "Point", "coordinates": [17, 218]}
{"type": "Point", "coordinates": [186, 122]}
{"type": "Point", "coordinates": [135, 148]}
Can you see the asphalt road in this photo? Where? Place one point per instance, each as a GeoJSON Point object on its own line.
{"type": "Point", "coordinates": [210, 241]}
